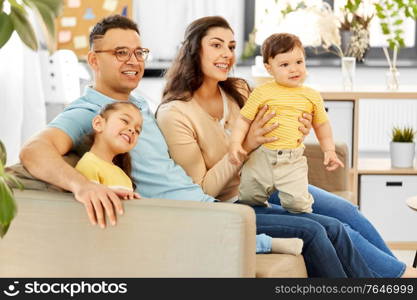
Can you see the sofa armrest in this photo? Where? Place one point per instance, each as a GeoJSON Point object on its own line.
{"type": "Point", "coordinates": [334, 181]}
{"type": "Point", "coordinates": [51, 237]}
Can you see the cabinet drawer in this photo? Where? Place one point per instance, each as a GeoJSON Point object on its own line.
{"type": "Point", "coordinates": [382, 201]}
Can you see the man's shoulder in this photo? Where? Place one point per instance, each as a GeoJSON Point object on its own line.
{"type": "Point", "coordinates": [83, 103]}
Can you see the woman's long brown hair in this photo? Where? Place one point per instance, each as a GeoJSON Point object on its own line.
{"type": "Point", "coordinates": [185, 76]}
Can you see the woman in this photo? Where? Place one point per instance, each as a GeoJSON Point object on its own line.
{"type": "Point", "coordinates": [200, 102]}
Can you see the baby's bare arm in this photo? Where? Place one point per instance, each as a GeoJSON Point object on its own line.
{"type": "Point", "coordinates": [325, 136]}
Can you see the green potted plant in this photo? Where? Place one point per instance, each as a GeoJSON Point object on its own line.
{"type": "Point", "coordinates": [402, 147]}
{"type": "Point", "coordinates": [392, 14]}
{"type": "Point", "coordinates": [7, 202]}
{"type": "Point", "coordinates": [14, 17]}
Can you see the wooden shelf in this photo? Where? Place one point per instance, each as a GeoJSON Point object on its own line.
{"type": "Point", "coordinates": [379, 166]}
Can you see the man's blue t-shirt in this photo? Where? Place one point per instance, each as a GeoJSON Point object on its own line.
{"type": "Point", "coordinates": [154, 172]}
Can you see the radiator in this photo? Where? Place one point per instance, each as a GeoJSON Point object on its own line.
{"type": "Point", "coordinates": [377, 117]}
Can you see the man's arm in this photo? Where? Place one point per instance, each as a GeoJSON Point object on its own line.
{"type": "Point", "coordinates": [42, 157]}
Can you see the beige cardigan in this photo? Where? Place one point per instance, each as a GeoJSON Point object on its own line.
{"type": "Point", "coordinates": [199, 143]}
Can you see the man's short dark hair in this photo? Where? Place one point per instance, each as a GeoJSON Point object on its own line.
{"type": "Point", "coordinates": [110, 22]}
{"type": "Point", "coordinates": [279, 43]}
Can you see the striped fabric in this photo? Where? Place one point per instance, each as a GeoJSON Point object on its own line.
{"type": "Point", "coordinates": [288, 103]}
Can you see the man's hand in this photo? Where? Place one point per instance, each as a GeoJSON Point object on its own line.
{"type": "Point", "coordinates": [305, 120]}
{"type": "Point", "coordinates": [257, 131]}
{"type": "Point", "coordinates": [237, 154]}
{"type": "Point", "coordinates": [331, 161]}
{"type": "Point", "coordinates": [98, 198]}
{"type": "Point", "coordinates": [126, 195]}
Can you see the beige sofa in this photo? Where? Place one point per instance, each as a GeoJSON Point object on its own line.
{"type": "Point", "coordinates": [51, 237]}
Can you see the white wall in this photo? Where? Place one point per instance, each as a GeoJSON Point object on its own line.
{"type": "Point", "coordinates": [162, 22]}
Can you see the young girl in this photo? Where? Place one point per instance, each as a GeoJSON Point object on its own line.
{"type": "Point", "coordinates": [116, 131]}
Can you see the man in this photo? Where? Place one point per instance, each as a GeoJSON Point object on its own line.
{"type": "Point", "coordinates": [117, 60]}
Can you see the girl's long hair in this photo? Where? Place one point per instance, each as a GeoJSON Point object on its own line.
{"type": "Point", "coordinates": [185, 76]}
{"type": "Point", "coordinates": [123, 160]}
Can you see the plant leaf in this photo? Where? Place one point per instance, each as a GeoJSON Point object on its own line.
{"type": "Point", "coordinates": [7, 203]}
{"type": "Point", "coordinates": [55, 6]}
{"type": "Point", "coordinates": [398, 22]}
{"type": "Point", "coordinates": [47, 17]}
{"type": "Point", "coordinates": [46, 14]}
{"type": "Point", "coordinates": [385, 29]}
{"type": "Point", "coordinates": [4, 229]}
{"type": "Point", "coordinates": [3, 154]}
{"type": "Point", "coordinates": [13, 182]}
{"type": "Point", "coordinates": [6, 28]}
{"type": "Point", "coordinates": [23, 27]}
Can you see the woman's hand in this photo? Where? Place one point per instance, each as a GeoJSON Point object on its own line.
{"type": "Point", "coordinates": [305, 120]}
{"type": "Point", "coordinates": [237, 155]}
{"type": "Point", "coordinates": [257, 131]}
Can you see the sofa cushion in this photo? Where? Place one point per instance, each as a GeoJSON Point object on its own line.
{"type": "Point", "coordinates": [280, 266]}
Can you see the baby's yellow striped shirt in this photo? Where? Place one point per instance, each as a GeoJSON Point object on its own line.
{"type": "Point", "coordinates": [288, 103]}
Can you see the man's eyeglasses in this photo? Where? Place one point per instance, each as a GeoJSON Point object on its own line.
{"type": "Point", "coordinates": [124, 54]}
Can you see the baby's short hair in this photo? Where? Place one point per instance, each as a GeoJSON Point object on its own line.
{"type": "Point", "coordinates": [278, 43]}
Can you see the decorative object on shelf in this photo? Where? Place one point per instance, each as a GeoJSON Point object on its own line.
{"type": "Point", "coordinates": [392, 14]}
{"type": "Point", "coordinates": [348, 72]}
{"type": "Point", "coordinates": [402, 147]}
{"type": "Point", "coordinates": [331, 41]}
{"type": "Point", "coordinates": [7, 202]}
{"type": "Point", "coordinates": [14, 16]}
{"type": "Point", "coordinates": [356, 16]}
{"type": "Point", "coordinates": [392, 76]}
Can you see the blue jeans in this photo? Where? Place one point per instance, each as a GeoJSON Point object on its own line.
{"type": "Point", "coordinates": [328, 250]}
{"type": "Point", "coordinates": [366, 239]}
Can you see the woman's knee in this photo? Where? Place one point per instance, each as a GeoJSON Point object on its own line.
{"type": "Point", "coordinates": [334, 227]}
{"type": "Point", "coordinates": [314, 231]}
{"type": "Point", "coordinates": [290, 226]}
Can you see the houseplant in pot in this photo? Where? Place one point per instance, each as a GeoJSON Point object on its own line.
{"type": "Point", "coordinates": [402, 147]}
{"type": "Point", "coordinates": [7, 202]}
{"type": "Point", "coordinates": [392, 14]}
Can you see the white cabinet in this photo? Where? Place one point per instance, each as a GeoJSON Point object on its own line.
{"type": "Point", "coordinates": [382, 201]}
{"type": "Point", "coordinates": [341, 118]}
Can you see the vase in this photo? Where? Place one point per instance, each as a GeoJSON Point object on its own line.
{"type": "Point", "coordinates": [345, 37]}
{"type": "Point", "coordinates": [402, 154]}
{"type": "Point", "coordinates": [392, 77]}
{"type": "Point", "coordinates": [348, 64]}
